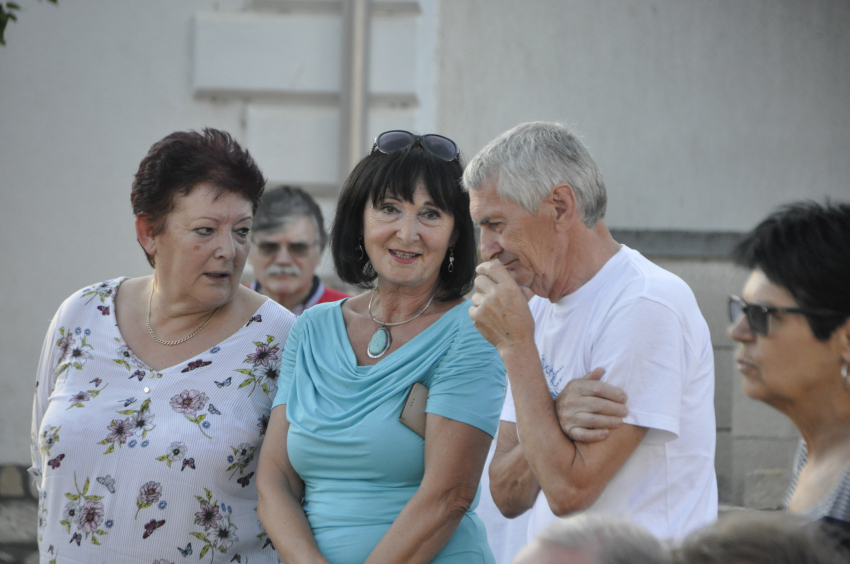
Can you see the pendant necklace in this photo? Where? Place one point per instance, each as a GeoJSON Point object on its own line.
{"type": "Point", "coordinates": [381, 340]}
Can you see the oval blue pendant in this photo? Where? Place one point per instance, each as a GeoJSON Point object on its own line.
{"type": "Point", "coordinates": [380, 342]}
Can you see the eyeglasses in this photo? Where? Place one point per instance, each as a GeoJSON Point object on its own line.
{"type": "Point", "coordinates": [758, 315]}
{"type": "Point", "coordinates": [298, 249]}
{"type": "Point", "coordinates": [397, 139]}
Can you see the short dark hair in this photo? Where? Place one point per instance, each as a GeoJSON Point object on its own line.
{"type": "Point", "coordinates": [398, 174]}
{"type": "Point", "coordinates": [803, 247]}
{"type": "Point", "coordinates": [184, 159]}
{"type": "Point", "coordinates": [757, 537]}
{"type": "Point", "coordinates": [282, 203]}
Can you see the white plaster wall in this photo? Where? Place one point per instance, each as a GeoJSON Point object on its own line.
{"type": "Point", "coordinates": [85, 89]}
{"type": "Point", "coordinates": [701, 115]}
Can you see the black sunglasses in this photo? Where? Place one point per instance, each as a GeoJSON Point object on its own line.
{"type": "Point", "coordinates": [397, 139]}
{"type": "Point", "coordinates": [758, 315]}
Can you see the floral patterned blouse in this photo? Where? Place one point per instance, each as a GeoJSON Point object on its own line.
{"type": "Point", "coordinates": [136, 465]}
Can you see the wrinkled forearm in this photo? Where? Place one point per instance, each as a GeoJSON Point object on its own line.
{"type": "Point", "coordinates": [284, 520]}
{"type": "Point", "coordinates": [567, 481]}
{"type": "Point", "coordinates": [454, 458]}
{"type": "Point", "coordinates": [423, 527]}
{"type": "Point", "coordinates": [512, 483]}
{"type": "Point", "coordinates": [279, 494]}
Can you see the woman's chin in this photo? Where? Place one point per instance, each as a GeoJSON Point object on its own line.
{"type": "Point", "coordinates": [755, 389]}
{"type": "Point", "coordinates": [406, 278]}
{"type": "Point", "coordinates": [217, 295]}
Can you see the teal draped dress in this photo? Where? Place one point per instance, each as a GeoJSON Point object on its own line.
{"type": "Point", "coordinates": [359, 464]}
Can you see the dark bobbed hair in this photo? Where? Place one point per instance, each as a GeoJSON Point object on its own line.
{"type": "Point", "coordinates": [398, 174]}
{"type": "Point", "coordinates": [184, 159]}
{"type": "Point", "coordinates": [282, 203]}
{"type": "Point", "coordinates": [803, 247]}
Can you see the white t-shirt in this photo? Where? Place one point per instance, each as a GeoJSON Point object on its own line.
{"type": "Point", "coordinates": [643, 326]}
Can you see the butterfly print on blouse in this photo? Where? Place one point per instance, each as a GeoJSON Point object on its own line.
{"type": "Point", "coordinates": [104, 310]}
{"type": "Point", "coordinates": [56, 462]}
{"type": "Point", "coordinates": [200, 363]}
{"type": "Point", "coordinates": [190, 462]}
{"type": "Point", "coordinates": [140, 374]}
{"type": "Point", "coordinates": [212, 409]}
{"type": "Point", "coordinates": [151, 526]}
{"type": "Point", "coordinates": [107, 482]}
{"type": "Point", "coordinates": [258, 318]}
{"type": "Point", "coordinates": [225, 383]}
{"type": "Point", "coordinates": [185, 551]}
{"type": "Point", "coordinates": [245, 480]}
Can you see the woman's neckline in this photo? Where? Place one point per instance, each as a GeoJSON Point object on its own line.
{"type": "Point", "coordinates": [114, 317]}
{"type": "Point", "coordinates": [366, 367]}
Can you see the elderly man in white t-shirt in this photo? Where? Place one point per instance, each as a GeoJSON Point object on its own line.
{"type": "Point", "coordinates": [540, 201]}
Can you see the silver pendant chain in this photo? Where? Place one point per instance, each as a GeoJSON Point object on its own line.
{"type": "Point", "coordinates": [384, 327]}
{"type": "Point", "coordinates": [187, 337]}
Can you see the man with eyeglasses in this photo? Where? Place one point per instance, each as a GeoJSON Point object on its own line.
{"type": "Point", "coordinates": [540, 201]}
{"type": "Point", "coordinates": [288, 239]}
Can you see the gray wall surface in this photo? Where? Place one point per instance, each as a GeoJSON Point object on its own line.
{"type": "Point", "coordinates": [702, 115]}
{"type": "Point", "coordinates": [85, 89]}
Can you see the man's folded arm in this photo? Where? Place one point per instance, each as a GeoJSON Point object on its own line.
{"type": "Point", "coordinates": [571, 475]}
{"type": "Point", "coordinates": [512, 484]}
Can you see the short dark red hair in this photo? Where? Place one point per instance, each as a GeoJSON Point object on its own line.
{"type": "Point", "coordinates": [184, 159]}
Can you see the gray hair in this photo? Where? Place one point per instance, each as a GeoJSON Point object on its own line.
{"type": "Point", "coordinates": [757, 537]}
{"type": "Point", "coordinates": [611, 540]}
{"type": "Point", "coordinates": [532, 158]}
{"type": "Point", "coordinates": [282, 204]}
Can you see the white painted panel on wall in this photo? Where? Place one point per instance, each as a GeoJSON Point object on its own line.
{"type": "Point", "coordinates": [386, 118]}
{"type": "Point", "coordinates": [262, 52]}
{"type": "Point", "coordinates": [393, 53]}
{"type": "Point", "coordinates": [294, 144]}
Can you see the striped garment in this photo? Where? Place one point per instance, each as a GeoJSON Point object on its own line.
{"type": "Point", "coordinates": [835, 506]}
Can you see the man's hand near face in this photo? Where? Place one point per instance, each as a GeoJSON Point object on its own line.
{"type": "Point", "coordinates": [500, 308]}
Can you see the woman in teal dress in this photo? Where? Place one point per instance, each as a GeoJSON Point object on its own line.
{"type": "Point", "coordinates": [341, 480]}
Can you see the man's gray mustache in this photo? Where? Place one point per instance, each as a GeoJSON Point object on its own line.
{"type": "Point", "coordinates": [277, 270]}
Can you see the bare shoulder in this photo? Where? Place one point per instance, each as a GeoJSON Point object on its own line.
{"type": "Point", "coordinates": [133, 287]}
{"type": "Point", "coordinates": [130, 294]}
{"type": "Point", "coordinates": [443, 307]}
{"type": "Point", "coordinates": [247, 302]}
{"type": "Point", "coordinates": [355, 309]}
{"type": "Point", "coordinates": [358, 303]}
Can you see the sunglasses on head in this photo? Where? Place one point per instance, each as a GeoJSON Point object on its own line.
{"type": "Point", "coordinates": [398, 139]}
{"type": "Point", "coordinates": [758, 315]}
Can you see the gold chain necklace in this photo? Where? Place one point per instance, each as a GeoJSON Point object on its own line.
{"type": "Point", "coordinates": [184, 339]}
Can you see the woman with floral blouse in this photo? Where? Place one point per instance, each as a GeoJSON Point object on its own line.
{"type": "Point", "coordinates": [153, 393]}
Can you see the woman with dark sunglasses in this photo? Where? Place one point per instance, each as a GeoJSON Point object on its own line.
{"type": "Point", "coordinates": [792, 323]}
{"type": "Point", "coordinates": [341, 478]}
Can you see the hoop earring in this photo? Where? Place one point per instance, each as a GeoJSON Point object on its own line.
{"type": "Point", "coordinates": [360, 248]}
{"type": "Point", "coordinates": [845, 375]}
{"type": "Point", "coordinates": [451, 266]}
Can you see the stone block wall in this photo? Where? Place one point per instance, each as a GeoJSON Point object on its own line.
{"type": "Point", "coordinates": [755, 443]}
{"type": "Point", "coordinates": [18, 514]}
